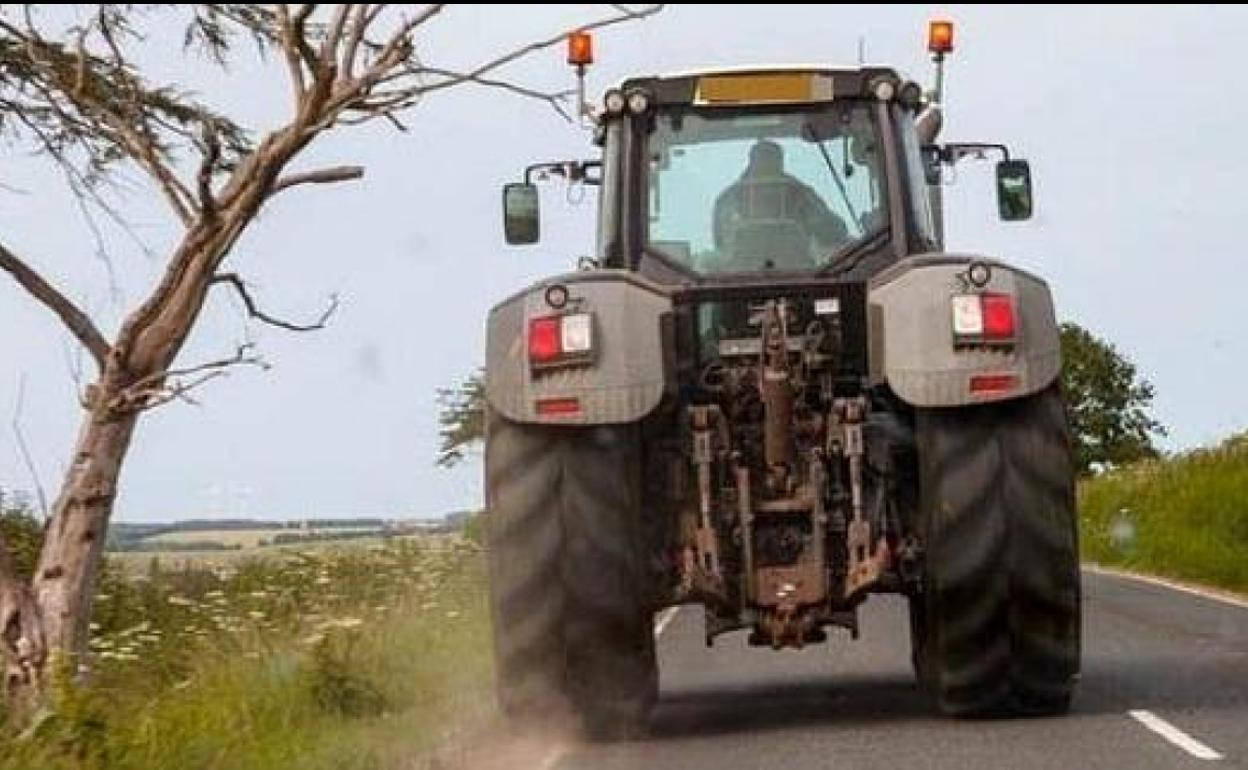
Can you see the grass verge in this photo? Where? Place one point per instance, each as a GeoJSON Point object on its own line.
{"type": "Point", "coordinates": [1183, 517]}
{"type": "Point", "coordinates": [360, 660]}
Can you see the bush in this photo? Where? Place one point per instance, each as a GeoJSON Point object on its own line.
{"type": "Point", "coordinates": [22, 532]}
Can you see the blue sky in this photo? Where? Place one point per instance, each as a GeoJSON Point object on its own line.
{"type": "Point", "coordinates": [1132, 117]}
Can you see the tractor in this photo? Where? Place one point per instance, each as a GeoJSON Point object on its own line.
{"type": "Point", "coordinates": [772, 392]}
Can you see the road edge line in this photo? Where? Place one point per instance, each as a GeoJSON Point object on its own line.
{"type": "Point", "coordinates": [1214, 594]}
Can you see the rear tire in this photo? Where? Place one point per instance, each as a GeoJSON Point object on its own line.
{"type": "Point", "coordinates": [608, 628]}
{"type": "Point", "coordinates": [565, 538]}
{"type": "Point", "coordinates": [1000, 619]}
{"type": "Point", "coordinates": [524, 540]}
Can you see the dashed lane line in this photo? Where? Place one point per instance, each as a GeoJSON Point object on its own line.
{"type": "Point", "coordinates": [1174, 735]}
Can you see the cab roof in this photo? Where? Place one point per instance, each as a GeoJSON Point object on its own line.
{"type": "Point", "coordinates": [763, 84]}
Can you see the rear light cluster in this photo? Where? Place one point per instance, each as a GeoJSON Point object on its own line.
{"type": "Point", "coordinates": [559, 339]}
{"type": "Point", "coordinates": [984, 318]}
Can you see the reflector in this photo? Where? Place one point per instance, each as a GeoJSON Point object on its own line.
{"type": "Point", "coordinates": [982, 384]}
{"type": "Point", "coordinates": [968, 317]}
{"type": "Point", "coordinates": [578, 333]}
{"type": "Point", "coordinates": [763, 88]}
{"type": "Point", "coordinates": [558, 406]}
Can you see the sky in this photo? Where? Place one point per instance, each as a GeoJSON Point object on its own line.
{"type": "Point", "coordinates": [1132, 118]}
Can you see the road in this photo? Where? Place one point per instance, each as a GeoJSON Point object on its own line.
{"type": "Point", "coordinates": [1165, 682]}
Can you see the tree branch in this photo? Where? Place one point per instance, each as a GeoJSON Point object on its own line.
{"type": "Point", "coordinates": [19, 437]}
{"type": "Point", "coordinates": [555, 100]}
{"type": "Point", "coordinates": [253, 309]}
{"type": "Point", "coordinates": [290, 51]}
{"type": "Point", "coordinates": [211, 155]}
{"type": "Point", "coordinates": [624, 14]}
{"type": "Point", "coordinates": [333, 37]}
{"type": "Point", "coordinates": [320, 176]}
{"type": "Point", "coordinates": [393, 63]}
{"type": "Point", "coordinates": [76, 321]}
{"type": "Point", "coordinates": [156, 389]}
{"type": "Point", "coordinates": [360, 22]}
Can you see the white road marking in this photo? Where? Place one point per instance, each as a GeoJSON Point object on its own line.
{"type": "Point", "coordinates": [1205, 593]}
{"type": "Point", "coordinates": [1174, 735]}
{"type": "Point", "coordinates": [665, 617]}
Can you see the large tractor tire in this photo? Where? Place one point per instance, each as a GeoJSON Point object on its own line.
{"type": "Point", "coordinates": [572, 622]}
{"type": "Point", "coordinates": [997, 627]}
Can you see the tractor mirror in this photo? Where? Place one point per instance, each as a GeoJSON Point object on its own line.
{"type": "Point", "coordinates": [521, 214]}
{"type": "Point", "coordinates": [1014, 190]}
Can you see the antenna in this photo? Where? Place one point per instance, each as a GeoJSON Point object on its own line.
{"type": "Point", "coordinates": [862, 50]}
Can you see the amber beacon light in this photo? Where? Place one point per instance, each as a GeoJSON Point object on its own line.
{"type": "Point", "coordinates": [940, 37]}
{"type": "Point", "coordinates": [580, 49]}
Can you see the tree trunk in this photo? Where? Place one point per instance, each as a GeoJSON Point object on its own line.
{"type": "Point", "coordinates": [65, 576]}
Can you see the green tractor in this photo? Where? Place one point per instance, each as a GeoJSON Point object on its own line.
{"type": "Point", "coordinates": [772, 392]}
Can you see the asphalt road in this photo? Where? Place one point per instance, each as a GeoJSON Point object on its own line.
{"type": "Point", "coordinates": [1165, 682]}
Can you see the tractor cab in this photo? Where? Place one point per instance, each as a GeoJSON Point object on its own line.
{"type": "Point", "coordinates": [766, 174]}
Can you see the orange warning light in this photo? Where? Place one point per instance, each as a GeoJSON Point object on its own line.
{"type": "Point", "coordinates": [940, 37]}
{"type": "Point", "coordinates": [580, 49]}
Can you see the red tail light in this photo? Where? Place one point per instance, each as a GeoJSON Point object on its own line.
{"type": "Point", "coordinates": [998, 316]}
{"type": "Point", "coordinates": [544, 339]}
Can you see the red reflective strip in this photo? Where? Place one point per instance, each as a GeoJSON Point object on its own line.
{"type": "Point", "coordinates": [993, 383]}
{"type": "Point", "coordinates": [998, 316]}
{"type": "Point", "coordinates": [558, 406]}
{"type": "Point", "coordinates": [545, 339]}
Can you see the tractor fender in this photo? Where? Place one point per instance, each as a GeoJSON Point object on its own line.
{"type": "Point", "coordinates": [624, 378]}
{"type": "Point", "coordinates": [911, 339]}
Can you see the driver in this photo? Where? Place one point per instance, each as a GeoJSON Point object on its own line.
{"type": "Point", "coordinates": [767, 218]}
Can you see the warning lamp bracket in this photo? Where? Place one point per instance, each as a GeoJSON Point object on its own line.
{"type": "Point", "coordinates": [953, 152]}
{"type": "Point", "coordinates": [574, 171]}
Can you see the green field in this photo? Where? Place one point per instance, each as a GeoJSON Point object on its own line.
{"type": "Point", "coordinates": [242, 538]}
{"type": "Point", "coordinates": [136, 561]}
{"type": "Point", "coordinates": [1184, 517]}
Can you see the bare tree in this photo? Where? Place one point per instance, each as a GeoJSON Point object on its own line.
{"type": "Point", "coordinates": [77, 94]}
